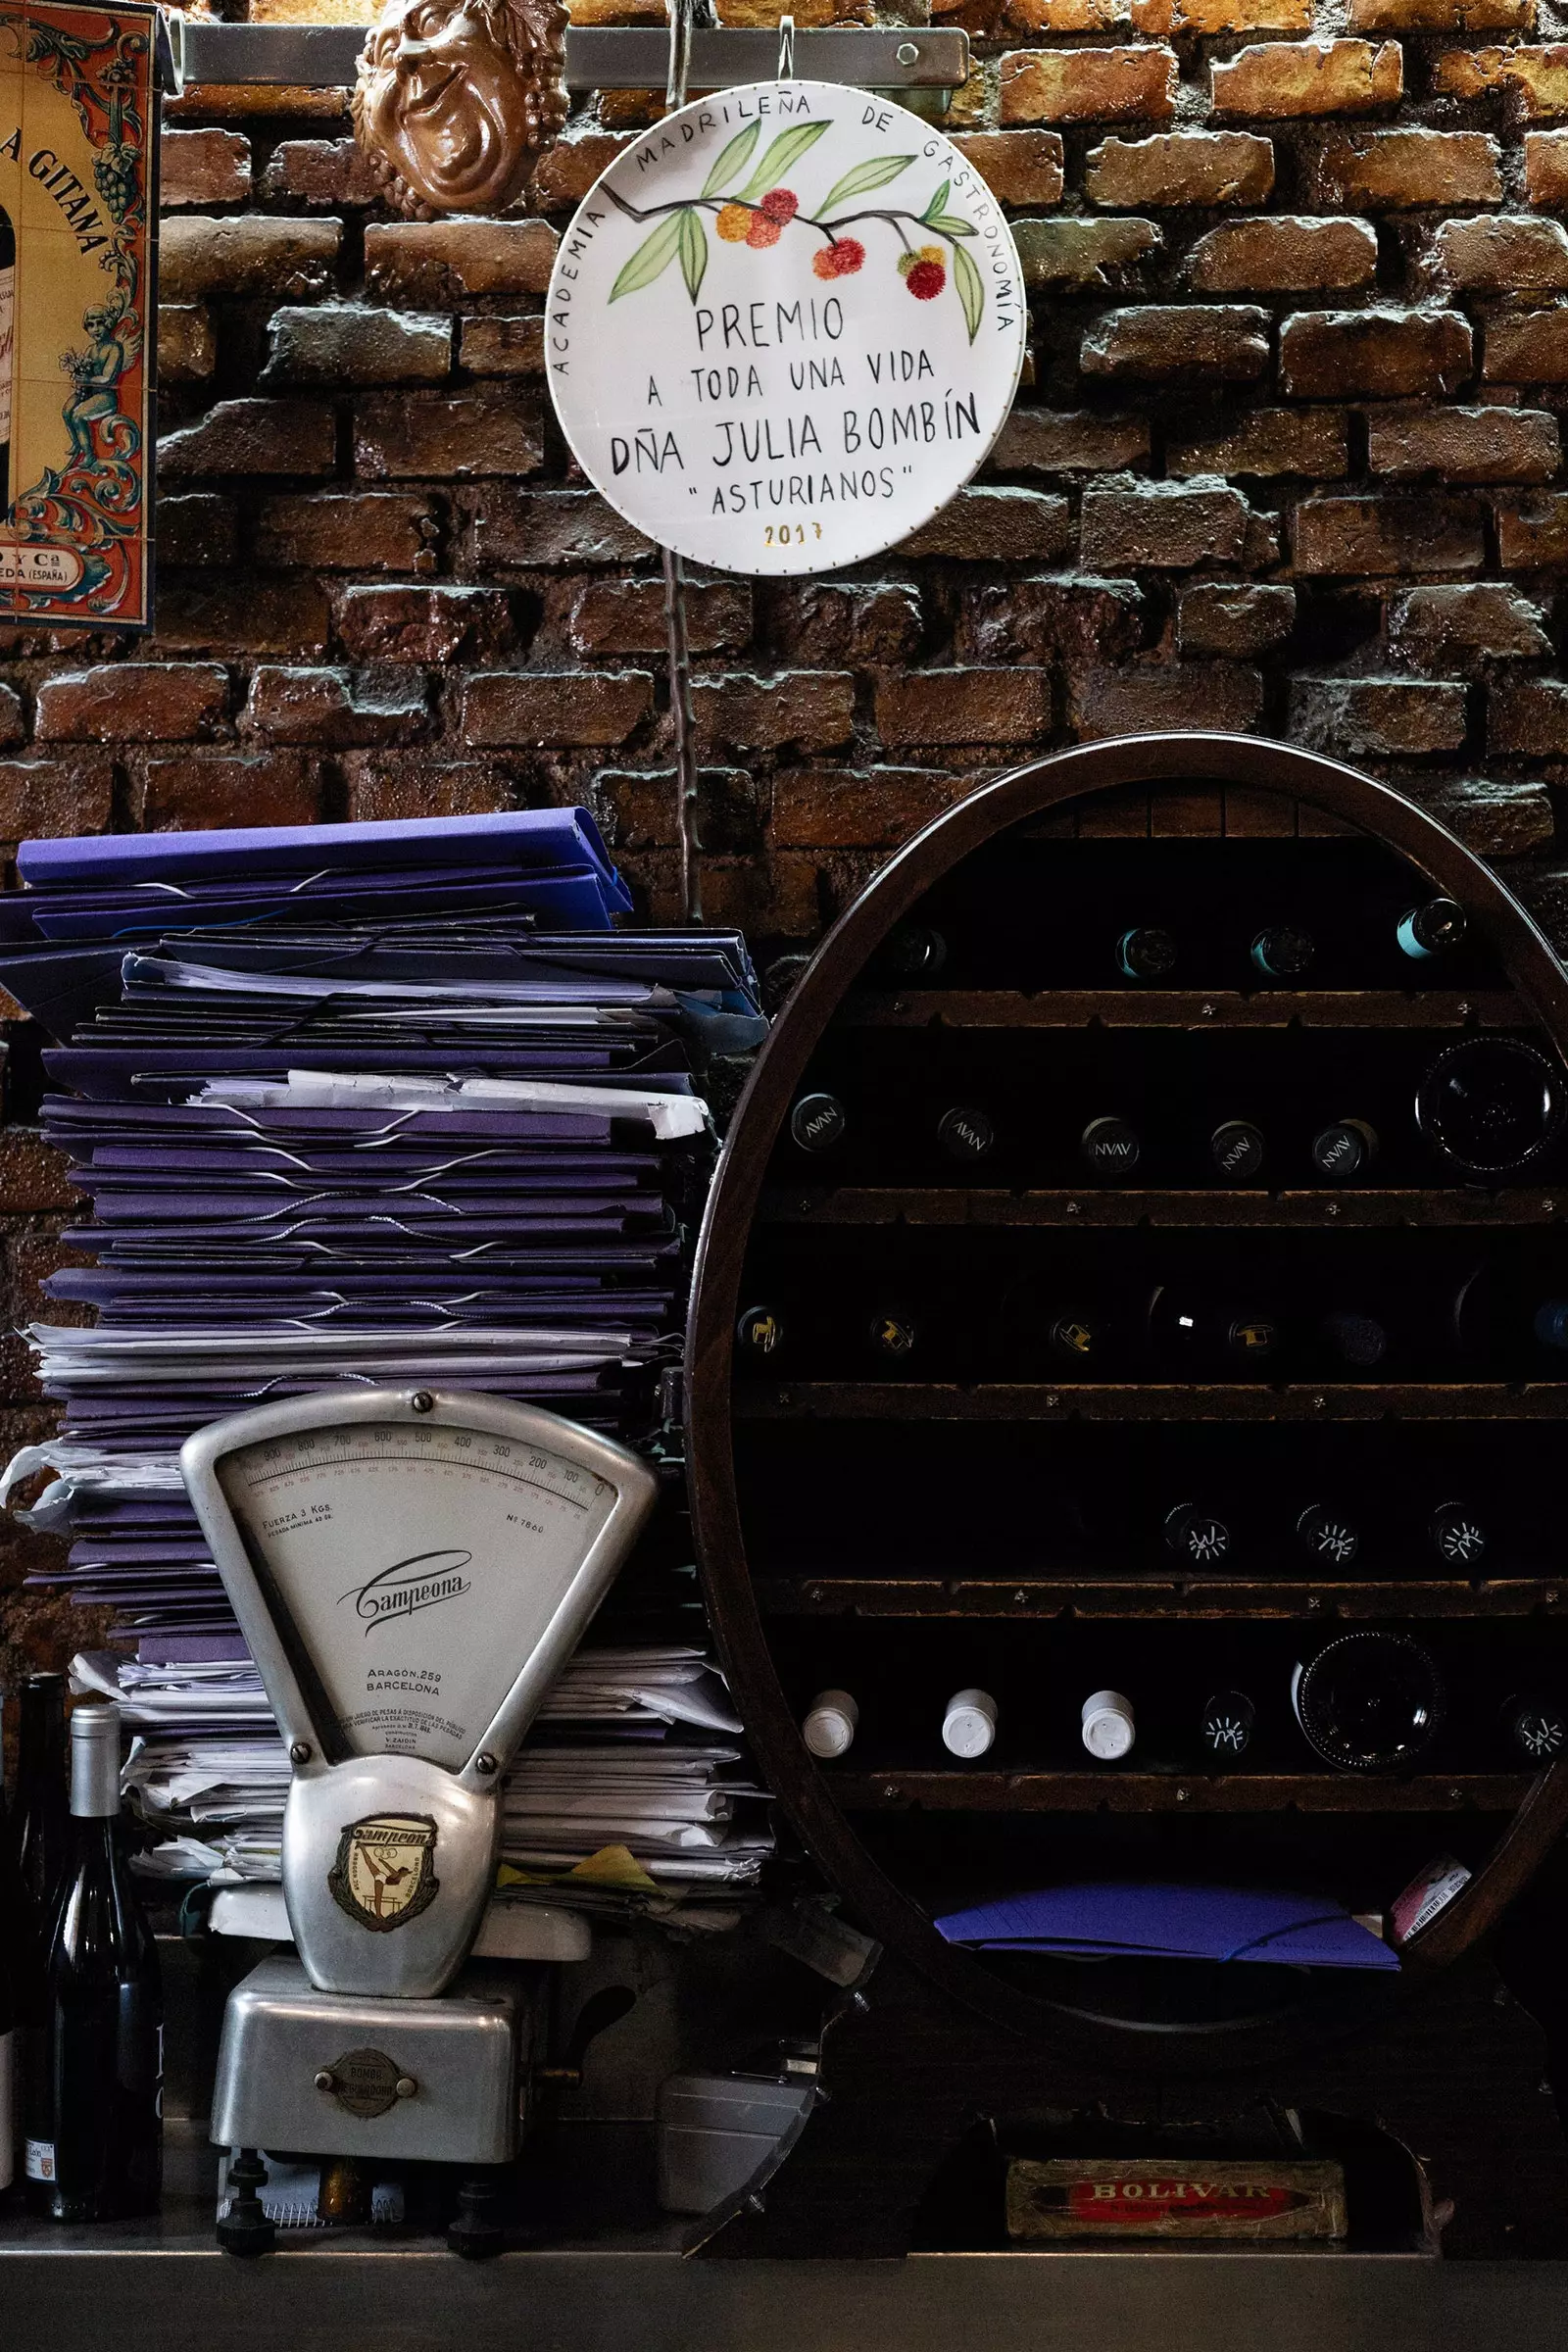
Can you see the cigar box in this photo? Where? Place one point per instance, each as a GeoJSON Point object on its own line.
{"type": "Point", "coordinates": [1106, 2197]}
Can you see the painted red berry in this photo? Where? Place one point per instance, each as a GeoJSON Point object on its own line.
{"type": "Point", "coordinates": [764, 230]}
{"type": "Point", "coordinates": [781, 205]}
{"type": "Point", "coordinates": [926, 280]}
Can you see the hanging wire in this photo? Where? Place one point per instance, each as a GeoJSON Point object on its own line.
{"type": "Point", "coordinates": [682, 15]}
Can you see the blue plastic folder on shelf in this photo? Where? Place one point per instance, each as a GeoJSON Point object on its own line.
{"type": "Point", "coordinates": [1109, 1920]}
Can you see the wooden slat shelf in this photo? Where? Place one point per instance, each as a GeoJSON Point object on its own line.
{"type": "Point", "coordinates": [980, 1791]}
{"type": "Point", "coordinates": [1158, 1596]}
{"type": "Point", "coordinates": [955, 1204]}
{"type": "Point", "coordinates": [1180, 1008]}
{"type": "Point", "coordinates": [1148, 1400]}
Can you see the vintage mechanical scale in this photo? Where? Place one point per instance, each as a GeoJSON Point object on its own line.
{"type": "Point", "coordinates": [411, 1570]}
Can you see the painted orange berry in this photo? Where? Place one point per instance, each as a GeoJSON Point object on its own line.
{"type": "Point", "coordinates": [764, 230]}
{"type": "Point", "coordinates": [734, 222]}
{"type": "Point", "coordinates": [926, 280]}
{"type": "Point", "coordinates": [781, 205]}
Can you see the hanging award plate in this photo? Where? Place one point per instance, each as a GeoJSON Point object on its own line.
{"type": "Point", "coordinates": [785, 328]}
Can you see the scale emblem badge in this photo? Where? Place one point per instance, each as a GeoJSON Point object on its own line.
{"type": "Point", "coordinates": [385, 1874]}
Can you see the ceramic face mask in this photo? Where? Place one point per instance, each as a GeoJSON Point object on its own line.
{"type": "Point", "coordinates": [455, 98]}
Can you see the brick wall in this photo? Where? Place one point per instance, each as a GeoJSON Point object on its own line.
{"type": "Point", "coordinates": [1288, 459]}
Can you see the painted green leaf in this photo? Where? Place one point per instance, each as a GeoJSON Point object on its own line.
{"type": "Point", "coordinates": [652, 258]}
{"type": "Point", "coordinates": [784, 154]}
{"type": "Point", "coordinates": [864, 177]}
{"type": "Point", "coordinates": [693, 251]}
{"type": "Point", "coordinates": [732, 159]}
{"type": "Point", "coordinates": [937, 202]}
{"type": "Point", "coordinates": [950, 224]}
{"type": "Point", "coordinates": [972, 293]}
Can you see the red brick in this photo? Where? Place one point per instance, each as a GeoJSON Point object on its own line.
{"type": "Point", "coordinates": [1221, 616]}
{"type": "Point", "coordinates": [434, 263]}
{"type": "Point", "coordinates": [1378, 171]}
{"type": "Point", "coordinates": [1082, 254]}
{"type": "Point", "coordinates": [868, 809]}
{"type": "Point", "coordinates": [637, 809]}
{"type": "Point", "coordinates": [554, 711]}
{"type": "Point", "coordinates": [1180, 166]}
{"type": "Point", "coordinates": [252, 436]}
{"type": "Point", "coordinates": [995, 526]}
{"type": "Point", "coordinates": [1442, 16]}
{"type": "Point", "coordinates": [821, 623]}
{"type": "Point", "coordinates": [1308, 77]}
{"type": "Point", "coordinates": [1268, 442]}
{"type": "Point", "coordinates": [1383, 536]}
{"type": "Point", "coordinates": [330, 709]}
{"type": "Point", "coordinates": [188, 348]}
{"type": "Point", "coordinates": [346, 344]}
{"type": "Point", "coordinates": [1180, 344]}
{"type": "Point", "coordinates": [1087, 85]}
{"type": "Point", "coordinates": [1502, 257]}
{"type": "Point", "coordinates": [568, 170]}
{"type": "Point", "coordinates": [545, 530]}
{"type": "Point", "coordinates": [1514, 820]}
{"type": "Point", "coordinates": [1528, 716]}
{"type": "Point", "coordinates": [1526, 347]}
{"type": "Point", "coordinates": [1464, 627]}
{"type": "Point", "coordinates": [190, 793]}
{"type": "Point", "coordinates": [328, 172]}
{"type": "Point", "coordinates": [1533, 534]}
{"type": "Point", "coordinates": [393, 784]}
{"type": "Point", "coordinates": [1465, 445]}
{"type": "Point", "coordinates": [1020, 167]}
{"type": "Point", "coordinates": [939, 707]}
{"type": "Point", "coordinates": [241, 616]}
{"type": "Point", "coordinates": [132, 701]}
{"type": "Point", "coordinates": [627, 616]}
{"type": "Point", "coordinates": [1377, 717]}
{"type": "Point", "coordinates": [1149, 701]}
{"type": "Point", "coordinates": [1071, 441]}
{"type": "Point", "coordinates": [1547, 166]}
{"type": "Point", "coordinates": [503, 345]}
{"type": "Point", "coordinates": [245, 254]}
{"type": "Point", "coordinates": [204, 167]}
{"type": "Point", "coordinates": [1287, 254]}
{"type": "Point", "coordinates": [1238, 15]}
{"type": "Point", "coordinates": [1161, 525]}
{"type": "Point", "coordinates": [33, 1175]}
{"type": "Point", "coordinates": [812, 711]}
{"type": "Point", "coordinates": [44, 798]}
{"type": "Point", "coordinates": [1537, 77]}
{"type": "Point", "coordinates": [1386, 354]}
{"type": "Point", "coordinates": [398, 435]}
{"type": "Point", "coordinates": [440, 624]}
{"type": "Point", "coordinates": [1049, 617]}
{"type": "Point", "coordinates": [352, 530]}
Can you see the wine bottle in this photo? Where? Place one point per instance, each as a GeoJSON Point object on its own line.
{"type": "Point", "coordinates": [7, 311]}
{"type": "Point", "coordinates": [760, 1332]}
{"type": "Point", "coordinates": [910, 952]}
{"type": "Point", "coordinates": [969, 1724]}
{"type": "Point", "coordinates": [1146, 952]}
{"type": "Point", "coordinates": [1110, 1146]}
{"type": "Point", "coordinates": [14, 1940]}
{"type": "Point", "coordinates": [1197, 1333]}
{"type": "Point", "coordinates": [1537, 1730]}
{"type": "Point", "coordinates": [1490, 1106]}
{"type": "Point", "coordinates": [1283, 952]}
{"type": "Point", "coordinates": [1197, 1537]}
{"type": "Point", "coordinates": [1457, 1536]}
{"type": "Point", "coordinates": [1078, 1339]}
{"type": "Point", "coordinates": [1225, 1726]}
{"type": "Point", "coordinates": [893, 1333]}
{"type": "Point", "coordinates": [41, 1817]}
{"type": "Point", "coordinates": [831, 1722]}
{"type": "Point", "coordinates": [964, 1134]}
{"type": "Point", "coordinates": [1434, 928]}
{"type": "Point", "coordinates": [1238, 1151]}
{"type": "Point", "coordinates": [817, 1122]}
{"type": "Point", "coordinates": [1368, 1701]}
{"type": "Point", "coordinates": [1343, 1150]}
{"type": "Point", "coordinates": [1357, 1341]}
{"type": "Point", "coordinates": [1327, 1536]}
{"type": "Point", "coordinates": [1550, 1323]}
{"type": "Point", "coordinates": [97, 2148]}
{"type": "Point", "coordinates": [1108, 1726]}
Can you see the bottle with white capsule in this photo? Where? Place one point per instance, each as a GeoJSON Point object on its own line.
{"type": "Point", "coordinates": [969, 1724]}
{"type": "Point", "coordinates": [1109, 1725]}
{"type": "Point", "coordinates": [831, 1722]}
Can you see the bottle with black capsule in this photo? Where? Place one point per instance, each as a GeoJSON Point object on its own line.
{"type": "Point", "coordinates": [16, 1939]}
{"type": "Point", "coordinates": [95, 2145]}
{"type": "Point", "coordinates": [759, 1334]}
{"type": "Point", "coordinates": [818, 1123]}
{"type": "Point", "coordinates": [1368, 1701]}
{"type": "Point", "coordinates": [40, 1816]}
{"type": "Point", "coordinates": [893, 1333]}
{"type": "Point", "coordinates": [1434, 928]}
{"type": "Point", "coordinates": [1329, 1537]}
{"type": "Point", "coordinates": [1206, 1337]}
{"type": "Point", "coordinates": [1238, 1151]}
{"type": "Point", "coordinates": [1458, 1537]}
{"type": "Point", "coordinates": [964, 1134]}
{"type": "Point", "coordinates": [1146, 954]}
{"type": "Point", "coordinates": [1283, 952]}
{"type": "Point", "coordinates": [1344, 1152]}
{"type": "Point", "coordinates": [1535, 1728]}
{"type": "Point", "coordinates": [912, 955]}
{"type": "Point", "coordinates": [1353, 1342]}
{"type": "Point", "coordinates": [1226, 1723]}
{"type": "Point", "coordinates": [1198, 1537]}
{"type": "Point", "coordinates": [1111, 1146]}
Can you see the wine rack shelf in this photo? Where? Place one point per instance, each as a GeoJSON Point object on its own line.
{"type": "Point", "coordinates": [1133, 1595]}
{"type": "Point", "coordinates": [978, 1791]}
{"type": "Point", "coordinates": [855, 1531]}
{"type": "Point", "coordinates": [1151, 1400]}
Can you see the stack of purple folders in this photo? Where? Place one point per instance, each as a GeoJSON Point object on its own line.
{"type": "Point", "coordinates": [351, 1105]}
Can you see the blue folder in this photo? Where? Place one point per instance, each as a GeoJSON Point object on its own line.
{"type": "Point", "coordinates": [1110, 1920]}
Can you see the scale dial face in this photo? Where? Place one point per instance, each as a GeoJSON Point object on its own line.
{"type": "Point", "coordinates": [410, 1569]}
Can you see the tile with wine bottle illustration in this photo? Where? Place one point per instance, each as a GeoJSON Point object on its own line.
{"type": "Point", "coordinates": [77, 201]}
{"type": "Point", "coordinates": [785, 328]}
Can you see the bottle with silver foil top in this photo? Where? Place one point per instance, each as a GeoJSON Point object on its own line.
{"type": "Point", "coordinates": [830, 1724]}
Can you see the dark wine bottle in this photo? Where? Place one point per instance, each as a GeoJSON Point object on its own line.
{"type": "Point", "coordinates": [760, 1332]}
{"type": "Point", "coordinates": [97, 2148]}
{"type": "Point", "coordinates": [1490, 1106]}
{"type": "Point", "coordinates": [1238, 1151]}
{"type": "Point", "coordinates": [1457, 1537]}
{"type": "Point", "coordinates": [1327, 1536]}
{"type": "Point", "coordinates": [893, 1333]}
{"type": "Point", "coordinates": [1550, 1323]}
{"type": "Point", "coordinates": [1079, 1339]}
{"type": "Point", "coordinates": [1535, 1728]}
{"type": "Point", "coordinates": [8, 314]}
{"type": "Point", "coordinates": [1343, 1151]}
{"type": "Point", "coordinates": [1434, 928]}
{"type": "Point", "coordinates": [1283, 952]}
{"type": "Point", "coordinates": [1146, 954]}
{"type": "Point", "coordinates": [1205, 1336]}
{"type": "Point", "coordinates": [40, 1821]}
{"type": "Point", "coordinates": [1355, 1341]}
{"type": "Point", "coordinates": [817, 1122]}
{"type": "Point", "coordinates": [1110, 1147]}
{"type": "Point", "coordinates": [912, 951]}
{"type": "Point", "coordinates": [1225, 1726]}
{"type": "Point", "coordinates": [14, 1940]}
{"type": "Point", "coordinates": [1368, 1701]}
{"type": "Point", "coordinates": [965, 1134]}
{"type": "Point", "coordinates": [1197, 1537]}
